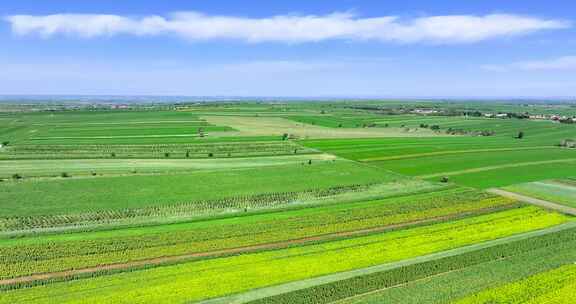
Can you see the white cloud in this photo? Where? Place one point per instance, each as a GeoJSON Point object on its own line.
{"type": "Point", "coordinates": [287, 28]}
{"type": "Point", "coordinates": [566, 63]}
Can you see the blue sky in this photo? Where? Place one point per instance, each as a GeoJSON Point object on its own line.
{"type": "Point", "coordinates": [405, 48]}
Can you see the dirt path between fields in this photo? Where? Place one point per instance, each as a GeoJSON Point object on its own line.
{"type": "Point", "coordinates": [225, 252]}
{"type": "Point", "coordinates": [534, 201]}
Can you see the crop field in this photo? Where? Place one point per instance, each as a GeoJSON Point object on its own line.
{"type": "Point", "coordinates": [61, 195]}
{"type": "Point", "coordinates": [510, 175]}
{"type": "Point", "coordinates": [224, 273]}
{"type": "Point", "coordinates": [262, 126]}
{"type": "Point", "coordinates": [100, 167]}
{"type": "Point", "coordinates": [143, 151]}
{"type": "Point", "coordinates": [557, 191]}
{"type": "Point", "coordinates": [97, 248]}
{"type": "Point", "coordinates": [448, 278]}
{"type": "Point", "coordinates": [286, 203]}
{"type": "Point", "coordinates": [466, 159]}
{"type": "Point", "coordinates": [552, 286]}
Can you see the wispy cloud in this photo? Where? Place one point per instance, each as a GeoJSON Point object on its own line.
{"type": "Point", "coordinates": [566, 63]}
{"type": "Point", "coordinates": [287, 28]}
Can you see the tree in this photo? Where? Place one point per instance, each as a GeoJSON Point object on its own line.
{"type": "Point", "coordinates": [520, 135]}
{"type": "Point", "coordinates": [285, 136]}
{"type": "Point", "coordinates": [16, 176]}
{"type": "Point", "coordinates": [113, 154]}
{"type": "Point", "coordinates": [210, 154]}
{"type": "Point", "coordinates": [309, 161]}
{"type": "Point", "coordinates": [187, 154]}
{"type": "Point", "coordinates": [5, 143]}
{"type": "Point", "coordinates": [64, 175]}
{"type": "Point", "coordinates": [444, 179]}
{"type": "Point", "coordinates": [166, 154]}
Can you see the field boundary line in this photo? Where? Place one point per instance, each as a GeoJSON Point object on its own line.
{"type": "Point", "coordinates": [416, 155]}
{"type": "Point", "coordinates": [158, 261]}
{"type": "Point", "coordinates": [534, 201]}
{"type": "Point", "coordinates": [489, 168]}
{"type": "Point", "coordinates": [265, 292]}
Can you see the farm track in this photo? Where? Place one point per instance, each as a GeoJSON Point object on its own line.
{"type": "Point", "coordinates": [534, 201]}
{"type": "Point", "coordinates": [232, 251]}
{"type": "Point", "coordinates": [489, 168]}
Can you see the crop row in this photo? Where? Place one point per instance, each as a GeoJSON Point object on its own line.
{"type": "Point", "coordinates": [555, 286]}
{"type": "Point", "coordinates": [328, 293]}
{"type": "Point", "coordinates": [176, 210]}
{"type": "Point", "coordinates": [89, 251]}
{"type": "Point", "coordinates": [234, 274]}
{"type": "Point", "coordinates": [157, 151]}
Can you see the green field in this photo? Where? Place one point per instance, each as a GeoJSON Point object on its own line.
{"type": "Point", "coordinates": [549, 287]}
{"type": "Point", "coordinates": [286, 203]}
{"type": "Point", "coordinates": [475, 274]}
{"type": "Point", "coordinates": [61, 196]}
{"type": "Point", "coordinates": [63, 252]}
{"type": "Point", "coordinates": [467, 160]}
{"type": "Point", "coordinates": [159, 151]}
{"type": "Point", "coordinates": [557, 191]}
{"type": "Point", "coordinates": [100, 167]}
{"type": "Point", "coordinates": [224, 274]}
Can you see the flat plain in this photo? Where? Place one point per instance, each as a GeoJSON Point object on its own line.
{"type": "Point", "coordinates": [292, 202]}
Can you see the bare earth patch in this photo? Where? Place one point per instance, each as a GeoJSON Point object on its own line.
{"type": "Point", "coordinates": [261, 126]}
